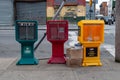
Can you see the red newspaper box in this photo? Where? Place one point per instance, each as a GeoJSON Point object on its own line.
{"type": "Point", "coordinates": [57, 34]}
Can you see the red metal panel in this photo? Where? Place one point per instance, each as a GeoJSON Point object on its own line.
{"type": "Point", "coordinates": [50, 3]}
{"type": "Point", "coordinates": [57, 53]}
{"type": "Point", "coordinates": [57, 34]}
{"type": "Point", "coordinates": [70, 2]}
{"type": "Point", "coordinates": [57, 30]}
{"type": "Point", "coordinates": [82, 2]}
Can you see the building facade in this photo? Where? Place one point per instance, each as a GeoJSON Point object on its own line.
{"type": "Point", "coordinates": [40, 10]}
{"type": "Point", "coordinates": [11, 10]}
{"type": "Point", "coordinates": [104, 9]}
{"type": "Point", "coordinates": [6, 12]}
{"type": "Point", "coordinates": [30, 10]}
{"type": "Point", "coordinates": [73, 11]}
{"type": "Point", "coordinates": [111, 8]}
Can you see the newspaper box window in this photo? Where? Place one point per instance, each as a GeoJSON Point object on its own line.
{"type": "Point", "coordinates": [57, 34]}
{"type": "Point", "coordinates": [26, 34]}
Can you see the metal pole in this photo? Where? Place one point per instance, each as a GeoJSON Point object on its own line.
{"type": "Point", "coordinates": [90, 12]}
{"type": "Point", "coordinates": [94, 8]}
{"type": "Point", "coordinates": [58, 11]}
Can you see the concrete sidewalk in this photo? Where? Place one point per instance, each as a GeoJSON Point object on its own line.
{"type": "Point", "coordinates": [43, 71]}
{"type": "Point", "coordinates": [10, 53]}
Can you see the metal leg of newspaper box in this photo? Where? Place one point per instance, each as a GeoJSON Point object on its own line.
{"type": "Point", "coordinates": [27, 55]}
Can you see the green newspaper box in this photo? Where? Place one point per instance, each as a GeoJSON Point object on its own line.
{"type": "Point", "coordinates": [27, 35]}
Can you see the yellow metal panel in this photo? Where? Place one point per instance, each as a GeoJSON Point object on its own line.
{"type": "Point", "coordinates": [91, 61]}
{"type": "Point", "coordinates": [81, 10]}
{"type": "Point", "coordinates": [90, 3]}
{"type": "Point", "coordinates": [62, 13]}
{"type": "Point", "coordinates": [91, 36]}
{"type": "Point", "coordinates": [50, 11]}
{"type": "Point", "coordinates": [91, 22]}
{"type": "Point", "coordinates": [91, 30]}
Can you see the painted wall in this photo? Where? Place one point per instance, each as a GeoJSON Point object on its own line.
{"type": "Point", "coordinates": [71, 11]}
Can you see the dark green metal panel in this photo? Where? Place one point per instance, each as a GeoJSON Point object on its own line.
{"type": "Point", "coordinates": [49, 18]}
{"type": "Point", "coordinates": [27, 34]}
{"type": "Point", "coordinates": [26, 31]}
{"type": "Point", "coordinates": [80, 18]}
{"type": "Point", "coordinates": [113, 4]}
{"type": "Point", "coordinates": [70, 19]}
{"type": "Point", "coordinates": [27, 55]}
{"type": "Point", "coordinates": [74, 20]}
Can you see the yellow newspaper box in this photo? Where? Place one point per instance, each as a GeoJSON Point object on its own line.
{"type": "Point", "coordinates": [91, 35]}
